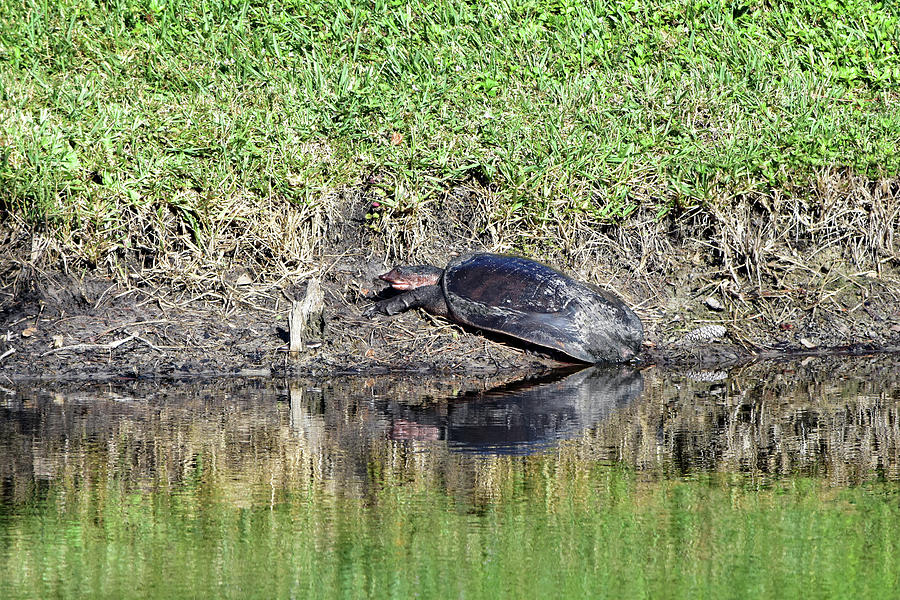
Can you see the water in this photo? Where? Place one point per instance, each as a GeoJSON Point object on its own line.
{"type": "Point", "coordinates": [767, 481]}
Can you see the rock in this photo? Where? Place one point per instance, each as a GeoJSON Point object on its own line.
{"type": "Point", "coordinates": [807, 344]}
{"type": "Point", "coordinates": [714, 304]}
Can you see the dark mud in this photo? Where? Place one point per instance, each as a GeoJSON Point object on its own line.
{"type": "Point", "coordinates": [60, 325]}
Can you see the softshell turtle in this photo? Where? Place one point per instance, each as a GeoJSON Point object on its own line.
{"type": "Point", "coordinates": [523, 299]}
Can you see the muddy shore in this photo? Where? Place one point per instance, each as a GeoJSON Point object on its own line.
{"type": "Point", "coordinates": [59, 324]}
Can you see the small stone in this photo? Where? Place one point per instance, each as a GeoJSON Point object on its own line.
{"type": "Point", "coordinates": [841, 329]}
{"type": "Point", "coordinates": [807, 344]}
{"type": "Point", "coordinates": [713, 304]}
{"type": "Point", "coordinates": [238, 277]}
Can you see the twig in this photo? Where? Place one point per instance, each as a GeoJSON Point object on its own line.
{"type": "Point", "coordinates": [7, 353]}
{"type": "Point", "coordinates": [100, 299]}
{"type": "Point", "coordinates": [14, 323]}
{"type": "Point", "coordinates": [117, 327]}
{"type": "Point", "coordinates": [145, 340]}
{"type": "Point", "coordinates": [109, 346]}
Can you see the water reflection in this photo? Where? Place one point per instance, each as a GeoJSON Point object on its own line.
{"type": "Point", "coordinates": [829, 418]}
{"type": "Point", "coordinates": [437, 489]}
{"type": "Point", "coordinates": [520, 418]}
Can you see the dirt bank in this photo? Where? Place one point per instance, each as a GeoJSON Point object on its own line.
{"type": "Point", "coordinates": [63, 323]}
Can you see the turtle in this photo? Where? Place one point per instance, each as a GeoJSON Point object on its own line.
{"type": "Point", "coordinates": [523, 299]}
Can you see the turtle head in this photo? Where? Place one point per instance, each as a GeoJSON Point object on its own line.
{"type": "Point", "coordinates": [408, 277]}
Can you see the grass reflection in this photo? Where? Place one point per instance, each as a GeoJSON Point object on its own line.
{"type": "Point", "coordinates": [775, 483]}
{"type": "Point", "coordinates": [611, 535]}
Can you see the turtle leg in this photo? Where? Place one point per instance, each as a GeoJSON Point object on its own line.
{"type": "Point", "coordinates": [429, 297]}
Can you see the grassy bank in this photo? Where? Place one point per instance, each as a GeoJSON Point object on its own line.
{"type": "Point", "coordinates": [204, 130]}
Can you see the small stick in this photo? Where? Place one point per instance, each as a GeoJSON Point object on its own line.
{"type": "Point", "coordinates": [145, 340]}
{"type": "Point", "coordinates": [109, 346]}
{"type": "Point", "coordinates": [117, 327]}
{"type": "Point", "coordinates": [305, 320]}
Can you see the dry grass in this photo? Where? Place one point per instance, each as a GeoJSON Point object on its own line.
{"type": "Point", "coordinates": [772, 261]}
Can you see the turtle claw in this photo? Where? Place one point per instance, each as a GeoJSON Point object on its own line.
{"type": "Point", "coordinates": [378, 308]}
{"type": "Point", "coordinates": [391, 306]}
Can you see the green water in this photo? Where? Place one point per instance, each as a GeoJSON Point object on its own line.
{"type": "Point", "coordinates": [744, 487]}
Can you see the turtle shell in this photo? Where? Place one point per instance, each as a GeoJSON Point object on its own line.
{"type": "Point", "coordinates": [536, 303]}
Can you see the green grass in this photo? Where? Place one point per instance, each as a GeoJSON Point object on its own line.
{"type": "Point", "coordinates": [183, 113]}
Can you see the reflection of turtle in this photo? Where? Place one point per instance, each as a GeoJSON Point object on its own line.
{"type": "Point", "coordinates": [520, 417]}
{"type": "Point", "coordinates": [523, 299]}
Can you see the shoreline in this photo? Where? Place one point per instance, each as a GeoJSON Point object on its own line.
{"type": "Point", "coordinates": [62, 326]}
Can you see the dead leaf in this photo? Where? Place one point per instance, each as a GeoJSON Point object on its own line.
{"type": "Point", "coordinates": [57, 341]}
{"type": "Point", "coordinates": [396, 138]}
{"type": "Point", "coordinates": [29, 331]}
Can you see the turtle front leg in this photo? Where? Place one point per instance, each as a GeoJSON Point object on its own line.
{"type": "Point", "coordinates": [429, 297]}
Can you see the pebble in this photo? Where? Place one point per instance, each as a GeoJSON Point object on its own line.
{"type": "Point", "coordinates": [713, 304]}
